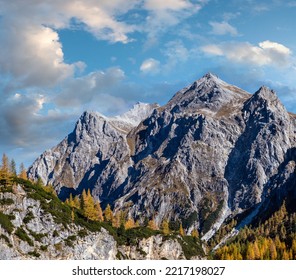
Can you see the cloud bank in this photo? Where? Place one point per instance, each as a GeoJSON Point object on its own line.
{"type": "Point", "coordinates": [265, 53]}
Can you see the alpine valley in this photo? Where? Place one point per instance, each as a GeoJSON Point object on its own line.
{"type": "Point", "coordinates": [213, 170]}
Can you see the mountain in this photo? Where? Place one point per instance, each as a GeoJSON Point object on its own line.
{"type": "Point", "coordinates": [94, 156]}
{"type": "Point", "coordinates": [212, 153]}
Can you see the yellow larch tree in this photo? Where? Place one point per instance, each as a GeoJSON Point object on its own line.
{"type": "Point", "coordinates": [130, 223]}
{"type": "Point", "coordinates": [108, 214]}
{"type": "Point", "coordinates": [165, 227]}
{"type": "Point", "coordinates": [181, 230]}
{"type": "Point", "coordinates": [5, 176]}
{"type": "Point", "coordinates": [194, 233]}
{"type": "Point", "coordinates": [98, 211]}
{"type": "Point", "coordinates": [152, 224]}
{"type": "Point", "coordinates": [23, 172]}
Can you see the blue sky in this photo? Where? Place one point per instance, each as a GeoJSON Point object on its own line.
{"type": "Point", "coordinates": [60, 58]}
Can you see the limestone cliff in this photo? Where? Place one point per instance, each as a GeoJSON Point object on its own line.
{"type": "Point", "coordinates": [212, 152]}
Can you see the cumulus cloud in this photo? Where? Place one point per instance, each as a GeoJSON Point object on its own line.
{"type": "Point", "coordinates": [223, 28]}
{"type": "Point", "coordinates": [91, 90]}
{"type": "Point", "coordinates": [150, 65]}
{"type": "Point", "coordinates": [164, 6]}
{"type": "Point", "coordinates": [266, 53]}
{"type": "Point", "coordinates": [33, 56]}
{"type": "Point", "coordinates": [22, 124]}
{"type": "Point", "coordinates": [32, 53]}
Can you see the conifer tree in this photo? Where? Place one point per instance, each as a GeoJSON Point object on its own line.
{"type": "Point", "coordinates": [5, 177]}
{"type": "Point", "coordinates": [194, 233]}
{"type": "Point", "coordinates": [165, 227]}
{"type": "Point", "coordinates": [23, 172]}
{"type": "Point", "coordinates": [250, 255]}
{"type": "Point", "coordinates": [89, 209]}
{"type": "Point", "coordinates": [119, 219]}
{"type": "Point", "coordinates": [108, 213]}
{"type": "Point", "coordinates": [77, 202]}
{"type": "Point", "coordinates": [70, 200]}
{"type": "Point", "coordinates": [130, 223]}
{"type": "Point", "coordinates": [272, 249]}
{"type": "Point", "coordinates": [72, 215]}
{"type": "Point", "coordinates": [152, 225]}
{"type": "Point", "coordinates": [181, 230]}
{"type": "Point", "coordinates": [256, 251]}
{"type": "Point", "coordinates": [98, 211]}
{"type": "Point", "coordinates": [83, 199]}
{"type": "Point", "coordinates": [12, 167]}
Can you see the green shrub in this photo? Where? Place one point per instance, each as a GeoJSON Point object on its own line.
{"type": "Point", "coordinates": [34, 254]}
{"type": "Point", "coordinates": [212, 218]}
{"type": "Point", "coordinates": [29, 216]}
{"type": "Point", "coordinates": [4, 189]}
{"type": "Point", "coordinates": [4, 237]}
{"type": "Point", "coordinates": [69, 240]}
{"type": "Point", "coordinates": [43, 247]}
{"type": "Point", "coordinates": [6, 223]}
{"type": "Point", "coordinates": [21, 234]}
{"type": "Point", "coordinates": [6, 201]}
{"type": "Point", "coordinates": [37, 236]}
{"type": "Point", "coordinates": [191, 246]}
{"type": "Point", "coordinates": [58, 246]}
{"type": "Point", "coordinates": [82, 233]}
{"type": "Point", "coordinates": [131, 236]}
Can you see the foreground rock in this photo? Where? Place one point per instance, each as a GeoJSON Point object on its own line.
{"type": "Point", "coordinates": [29, 231]}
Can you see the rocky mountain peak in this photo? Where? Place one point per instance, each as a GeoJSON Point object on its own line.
{"type": "Point", "coordinates": [209, 92]}
{"type": "Point", "coordinates": [210, 75]}
{"type": "Point", "coordinates": [265, 93]}
{"type": "Point", "coordinates": [266, 102]}
{"type": "Point", "coordinates": [137, 113]}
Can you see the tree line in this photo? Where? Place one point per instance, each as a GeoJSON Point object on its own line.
{"type": "Point", "coordinates": [275, 239]}
{"type": "Point", "coordinates": [92, 210]}
{"type": "Point", "coordinates": [8, 171]}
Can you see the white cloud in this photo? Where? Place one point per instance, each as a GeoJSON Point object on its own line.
{"type": "Point", "coordinates": [33, 55]}
{"type": "Point", "coordinates": [173, 5]}
{"type": "Point", "coordinates": [223, 28]}
{"type": "Point", "coordinates": [31, 51]}
{"type": "Point", "coordinates": [88, 89]}
{"type": "Point", "coordinates": [175, 53]}
{"type": "Point", "coordinates": [150, 65]}
{"type": "Point", "coordinates": [165, 14]}
{"type": "Point", "coordinates": [175, 50]}
{"type": "Point", "coordinates": [266, 53]}
{"type": "Point", "coordinates": [99, 18]}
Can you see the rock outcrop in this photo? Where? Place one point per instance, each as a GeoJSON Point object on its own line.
{"type": "Point", "coordinates": [29, 231]}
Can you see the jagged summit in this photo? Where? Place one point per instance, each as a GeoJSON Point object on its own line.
{"type": "Point", "coordinates": [209, 92]}
{"type": "Point", "coordinates": [266, 101]}
{"type": "Point", "coordinates": [137, 113]}
{"type": "Point", "coordinates": [89, 120]}
{"type": "Point", "coordinates": [265, 92]}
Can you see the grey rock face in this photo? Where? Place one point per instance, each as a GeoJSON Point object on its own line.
{"type": "Point", "coordinates": [48, 239]}
{"type": "Point", "coordinates": [153, 248]}
{"type": "Point", "coordinates": [94, 156]}
{"type": "Point", "coordinates": [212, 151]}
